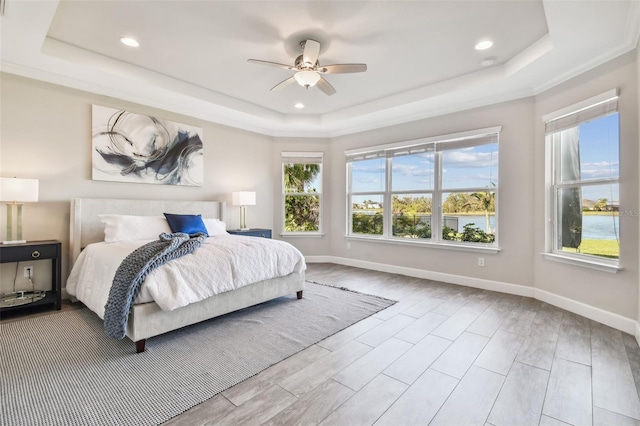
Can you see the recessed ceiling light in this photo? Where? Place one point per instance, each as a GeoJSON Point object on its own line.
{"type": "Point", "coordinates": [130, 41]}
{"type": "Point", "coordinates": [299, 105]}
{"type": "Point", "coordinates": [487, 62]}
{"type": "Point", "coordinates": [485, 44]}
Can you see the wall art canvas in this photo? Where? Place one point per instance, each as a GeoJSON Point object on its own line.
{"type": "Point", "coordinates": [130, 147]}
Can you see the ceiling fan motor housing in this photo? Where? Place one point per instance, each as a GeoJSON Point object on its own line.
{"type": "Point", "coordinates": [301, 65]}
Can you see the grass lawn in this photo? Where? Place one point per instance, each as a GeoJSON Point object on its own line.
{"type": "Point", "coordinates": [595, 213]}
{"type": "Point", "coordinates": [602, 248]}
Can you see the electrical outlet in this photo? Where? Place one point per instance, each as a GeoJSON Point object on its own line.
{"type": "Point", "coordinates": [28, 272]}
{"type": "Point", "coordinates": [348, 246]}
{"type": "Point", "coordinates": [481, 261]}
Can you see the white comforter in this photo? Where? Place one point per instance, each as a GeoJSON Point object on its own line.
{"type": "Point", "coordinates": [222, 263]}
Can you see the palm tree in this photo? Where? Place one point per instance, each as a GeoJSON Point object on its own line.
{"type": "Point", "coordinates": [486, 199]}
{"type": "Point", "coordinates": [297, 175]}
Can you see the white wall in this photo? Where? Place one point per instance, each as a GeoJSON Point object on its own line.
{"type": "Point", "coordinates": [521, 197]}
{"type": "Point", "coordinates": [515, 205]}
{"type": "Point", "coordinates": [45, 133]}
{"type": "Point", "coordinates": [617, 293]}
{"type": "Point", "coordinates": [638, 164]}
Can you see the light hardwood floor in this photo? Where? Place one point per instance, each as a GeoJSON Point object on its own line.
{"type": "Point", "coordinates": [443, 355]}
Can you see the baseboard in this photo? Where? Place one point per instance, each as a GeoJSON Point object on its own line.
{"type": "Point", "coordinates": [611, 319]}
{"type": "Point", "coordinates": [600, 315]}
{"type": "Point", "coordinates": [516, 289]}
{"type": "Point", "coordinates": [319, 259]}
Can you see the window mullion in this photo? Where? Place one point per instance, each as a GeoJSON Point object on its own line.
{"type": "Point", "coordinates": [591, 182]}
{"type": "Point", "coordinates": [349, 224]}
{"type": "Point", "coordinates": [436, 199]}
{"type": "Point", "coordinates": [387, 210]}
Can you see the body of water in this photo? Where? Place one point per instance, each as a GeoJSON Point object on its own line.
{"type": "Point", "coordinates": [593, 227]}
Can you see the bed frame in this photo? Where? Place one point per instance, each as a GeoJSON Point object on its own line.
{"type": "Point", "coordinates": [148, 320]}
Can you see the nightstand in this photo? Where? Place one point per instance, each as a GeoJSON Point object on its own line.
{"type": "Point", "coordinates": [254, 232]}
{"type": "Point", "coordinates": [37, 250]}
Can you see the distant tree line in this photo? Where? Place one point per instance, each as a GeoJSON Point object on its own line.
{"type": "Point", "coordinates": [412, 217]}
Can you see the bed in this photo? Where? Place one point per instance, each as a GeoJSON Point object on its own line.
{"type": "Point", "coordinates": [148, 319]}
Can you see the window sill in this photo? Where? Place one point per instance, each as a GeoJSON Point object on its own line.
{"type": "Point", "coordinates": [417, 243]}
{"type": "Point", "coordinates": [585, 263]}
{"type": "Point", "coordinates": [302, 234]}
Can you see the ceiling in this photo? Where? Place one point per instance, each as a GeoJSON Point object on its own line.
{"type": "Point", "coordinates": [420, 55]}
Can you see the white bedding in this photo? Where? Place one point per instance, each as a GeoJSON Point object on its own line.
{"type": "Point", "coordinates": [222, 263]}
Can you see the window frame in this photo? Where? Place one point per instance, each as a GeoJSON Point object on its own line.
{"type": "Point", "coordinates": [288, 157]}
{"type": "Point", "coordinates": [477, 137]}
{"type": "Point", "coordinates": [594, 108]}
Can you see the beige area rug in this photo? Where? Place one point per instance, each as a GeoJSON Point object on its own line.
{"type": "Point", "coordinates": [61, 368]}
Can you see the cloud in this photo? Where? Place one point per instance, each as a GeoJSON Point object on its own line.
{"type": "Point", "coordinates": [369, 168]}
{"type": "Point", "coordinates": [366, 179]}
{"type": "Point", "coordinates": [600, 170]}
{"type": "Point", "coordinates": [466, 158]}
{"type": "Point", "coordinates": [412, 170]}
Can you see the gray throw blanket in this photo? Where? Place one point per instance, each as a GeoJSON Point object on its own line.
{"type": "Point", "coordinates": [135, 268]}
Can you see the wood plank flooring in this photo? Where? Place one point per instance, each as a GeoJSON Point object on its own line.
{"type": "Point", "coordinates": [443, 355]}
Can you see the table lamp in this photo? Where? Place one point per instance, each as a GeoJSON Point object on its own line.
{"type": "Point", "coordinates": [15, 192]}
{"type": "Point", "coordinates": [243, 199]}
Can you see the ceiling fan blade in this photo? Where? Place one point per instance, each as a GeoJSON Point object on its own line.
{"type": "Point", "coordinates": [311, 52]}
{"type": "Point", "coordinates": [271, 64]}
{"type": "Point", "coordinates": [283, 84]}
{"type": "Point", "coordinates": [342, 68]}
{"type": "Point", "coordinates": [324, 85]}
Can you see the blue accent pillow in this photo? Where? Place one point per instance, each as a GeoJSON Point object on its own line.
{"type": "Point", "coordinates": [187, 223]}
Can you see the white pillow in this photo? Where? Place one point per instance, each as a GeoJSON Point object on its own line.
{"type": "Point", "coordinates": [215, 227]}
{"type": "Point", "coordinates": [120, 227]}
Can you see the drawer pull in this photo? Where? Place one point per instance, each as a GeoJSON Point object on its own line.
{"type": "Point", "coordinates": [35, 254]}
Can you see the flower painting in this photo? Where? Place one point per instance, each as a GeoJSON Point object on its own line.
{"type": "Point", "coordinates": [130, 147]}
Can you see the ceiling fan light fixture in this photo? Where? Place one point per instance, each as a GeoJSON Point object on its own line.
{"type": "Point", "coordinates": [307, 78]}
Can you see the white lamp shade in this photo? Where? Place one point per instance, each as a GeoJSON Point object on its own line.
{"type": "Point", "coordinates": [307, 78]}
{"type": "Point", "coordinates": [18, 190]}
{"type": "Point", "coordinates": [243, 198]}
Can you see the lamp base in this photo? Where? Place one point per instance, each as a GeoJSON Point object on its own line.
{"type": "Point", "coordinates": [15, 242]}
{"type": "Point", "coordinates": [244, 229]}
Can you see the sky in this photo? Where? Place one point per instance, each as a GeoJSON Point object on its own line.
{"type": "Point", "coordinates": [600, 156]}
{"type": "Point", "coordinates": [477, 167]}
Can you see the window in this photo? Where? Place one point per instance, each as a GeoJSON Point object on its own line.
{"type": "Point", "coordinates": [437, 190]}
{"type": "Point", "coordinates": [583, 160]}
{"type": "Point", "coordinates": [302, 192]}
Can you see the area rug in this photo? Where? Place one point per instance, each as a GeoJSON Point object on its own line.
{"type": "Point", "coordinates": [61, 368]}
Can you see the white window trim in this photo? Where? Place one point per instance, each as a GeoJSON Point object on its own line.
{"type": "Point", "coordinates": [449, 245]}
{"type": "Point", "coordinates": [600, 265]}
{"type": "Point", "coordinates": [289, 157]}
{"type": "Point", "coordinates": [436, 215]}
{"type": "Point", "coordinates": [550, 253]}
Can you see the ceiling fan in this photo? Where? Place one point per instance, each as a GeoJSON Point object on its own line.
{"type": "Point", "coordinates": [308, 70]}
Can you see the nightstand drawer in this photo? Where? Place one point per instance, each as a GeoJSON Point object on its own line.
{"type": "Point", "coordinates": [24, 252]}
{"type": "Point", "coordinates": [264, 233]}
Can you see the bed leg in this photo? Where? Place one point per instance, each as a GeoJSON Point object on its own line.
{"type": "Point", "coordinates": [140, 345]}
{"type": "Point", "coordinates": [299, 294]}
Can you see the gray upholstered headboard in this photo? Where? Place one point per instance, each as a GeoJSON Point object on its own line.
{"type": "Point", "coordinates": [86, 227]}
